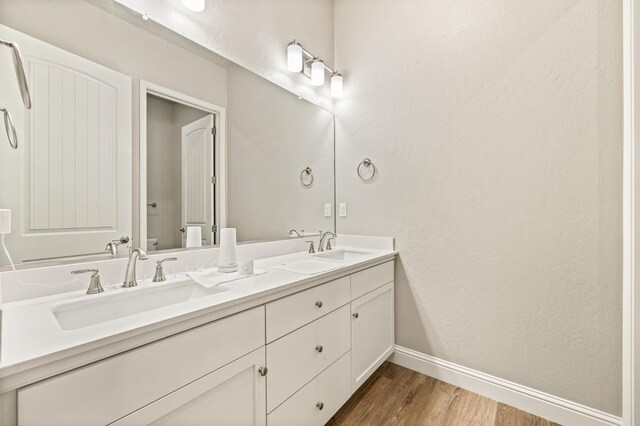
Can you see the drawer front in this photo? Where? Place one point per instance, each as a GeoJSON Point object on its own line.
{"type": "Point", "coordinates": [107, 390]}
{"type": "Point", "coordinates": [365, 281]}
{"type": "Point", "coordinates": [292, 312]}
{"type": "Point", "coordinates": [231, 395]}
{"type": "Point", "coordinates": [331, 389]}
{"type": "Point", "coordinates": [297, 358]}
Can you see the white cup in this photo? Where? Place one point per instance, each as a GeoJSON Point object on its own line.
{"type": "Point", "coordinates": [245, 267]}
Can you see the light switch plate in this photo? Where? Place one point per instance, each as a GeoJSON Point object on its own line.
{"type": "Point", "coordinates": [343, 209]}
{"type": "Point", "coordinates": [327, 210]}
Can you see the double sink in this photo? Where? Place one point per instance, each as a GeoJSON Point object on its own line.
{"type": "Point", "coordinates": [94, 310]}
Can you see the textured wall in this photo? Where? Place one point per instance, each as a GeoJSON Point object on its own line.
{"type": "Point", "coordinates": [254, 34]}
{"type": "Point", "coordinates": [496, 129]}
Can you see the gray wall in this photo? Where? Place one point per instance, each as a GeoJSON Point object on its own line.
{"type": "Point", "coordinates": [496, 129]}
{"type": "Point", "coordinates": [274, 136]}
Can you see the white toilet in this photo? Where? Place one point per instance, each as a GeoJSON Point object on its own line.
{"type": "Point", "coordinates": [152, 244]}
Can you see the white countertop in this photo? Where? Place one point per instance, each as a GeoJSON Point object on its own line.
{"type": "Point", "coordinates": [32, 337]}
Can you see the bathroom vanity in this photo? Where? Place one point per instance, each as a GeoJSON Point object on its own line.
{"type": "Point", "coordinates": [160, 156]}
{"type": "Point", "coordinates": [277, 348]}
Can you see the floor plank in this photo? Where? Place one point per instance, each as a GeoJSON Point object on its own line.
{"type": "Point", "coordinates": [395, 395]}
{"type": "Point", "coordinates": [510, 416]}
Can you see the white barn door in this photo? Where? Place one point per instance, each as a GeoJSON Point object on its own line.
{"type": "Point", "coordinates": [69, 183]}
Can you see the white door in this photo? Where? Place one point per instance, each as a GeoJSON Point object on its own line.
{"type": "Point", "coordinates": [232, 395]}
{"type": "Point", "coordinates": [197, 177]}
{"type": "Point", "coordinates": [372, 334]}
{"type": "Point", "coordinates": [69, 182]}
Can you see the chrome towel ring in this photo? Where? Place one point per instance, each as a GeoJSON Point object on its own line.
{"type": "Point", "coordinates": [365, 164]}
{"type": "Point", "coordinates": [309, 177]}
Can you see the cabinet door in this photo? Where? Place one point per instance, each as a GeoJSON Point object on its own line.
{"type": "Point", "coordinates": [232, 395]}
{"type": "Point", "coordinates": [372, 332]}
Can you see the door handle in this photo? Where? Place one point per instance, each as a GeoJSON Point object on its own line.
{"type": "Point", "coordinates": [183, 230]}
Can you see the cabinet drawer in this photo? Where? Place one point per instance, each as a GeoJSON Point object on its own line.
{"type": "Point", "coordinates": [107, 390]}
{"type": "Point", "coordinates": [231, 395]}
{"type": "Point", "coordinates": [294, 360]}
{"type": "Point", "coordinates": [365, 281]}
{"type": "Point", "coordinates": [332, 388]}
{"type": "Point", "coordinates": [292, 312]}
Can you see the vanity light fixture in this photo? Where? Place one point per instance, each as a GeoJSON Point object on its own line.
{"type": "Point", "coordinates": [194, 5]}
{"type": "Point", "coordinates": [336, 85]}
{"type": "Point", "coordinates": [294, 57]}
{"type": "Point", "coordinates": [317, 72]}
{"type": "Point", "coordinates": [301, 60]}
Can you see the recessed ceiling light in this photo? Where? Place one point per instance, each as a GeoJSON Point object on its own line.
{"type": "Point", "coordinates": [194, 5]}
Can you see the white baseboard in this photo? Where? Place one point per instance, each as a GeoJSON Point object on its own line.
{"type": "Point", "coordinates": [530, 400]}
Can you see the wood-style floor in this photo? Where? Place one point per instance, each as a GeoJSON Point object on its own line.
{"type": "Point", "coordinates": [395, 395]}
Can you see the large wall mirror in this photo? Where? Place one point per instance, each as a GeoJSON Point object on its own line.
{"type": "Point", "coordinates": [138, 137]}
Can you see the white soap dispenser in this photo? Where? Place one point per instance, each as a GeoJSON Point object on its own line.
{"type": "Point", "coordinates": [227, 261]}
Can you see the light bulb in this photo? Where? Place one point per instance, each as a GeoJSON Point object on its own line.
{"type": "Point", "coordinates": [194, 5]}
{"type": "Point", "coordinates": [294, 57]}
{"type": "Point", "coordinates": [317, 72]}
{"type": "Point", "coordinates": [336, 85]}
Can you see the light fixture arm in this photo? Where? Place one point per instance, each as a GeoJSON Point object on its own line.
{"type": "Point", "coordinates": [309, 57]}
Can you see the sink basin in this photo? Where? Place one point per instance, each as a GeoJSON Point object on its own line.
{"type": "Point", "coordinates": [342, 254]}
{"type": "Point", "coordinates": [307, 267]}
{"type": "Point", "coordinates": [105, 307]}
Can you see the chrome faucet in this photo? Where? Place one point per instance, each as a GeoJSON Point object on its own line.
{"type": "Point", "coordinates": [130, 275]}
{"type": "Point", "coordinates": [112, 247]}
{"type": "Point", "coordinates": [94, 287]}
{"type": "Point", "coordinates": [322, 239]}
{"type": "Point", "coordinates": [295, 233]}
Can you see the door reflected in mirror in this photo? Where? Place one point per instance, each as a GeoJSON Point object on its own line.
{"type": "Point", "coordinates": [180, 174]}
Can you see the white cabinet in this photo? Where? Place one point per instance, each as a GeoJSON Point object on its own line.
{"type": "Point", "coordinates": [232, 395]}
{"type": "Point", "coordinates": [323, 343]}
{"type": "Point", "coordinates": [298, 357]}
{"type": "Point", "coordinates": [317, 401]}
{"type": "Point", "coordinates": [107, 390]}
{"type": "Point", "coordinates": [372, 332]}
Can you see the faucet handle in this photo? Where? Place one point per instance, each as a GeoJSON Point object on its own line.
{"type": "Point", "coordinates": [159, 276]}
{"type": "Point", "coordinates": [329, 242]}
{"type": "Point", "coordinates": [312, 249]}
{"type": "Point", "coordinates": [94, 286]}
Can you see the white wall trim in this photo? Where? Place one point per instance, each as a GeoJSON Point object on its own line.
{"type": "Point", "coordinates": [220, 115]}
{"type": "Point", "coordinates": [630, 398]}
{"type": "Point", "coordinates": [524, 398]}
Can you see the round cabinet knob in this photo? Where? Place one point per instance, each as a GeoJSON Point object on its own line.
{"type": "Point", "coordinates": [319, 303]}
{"type": "Point", "coordinates": [356, 315]}
{"type": "Point", "coordinates": [319, 348]}
{"type": "Point", "coordinates": [320, 405]}
{"type": "Point", "coordinates": [263, 371]}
